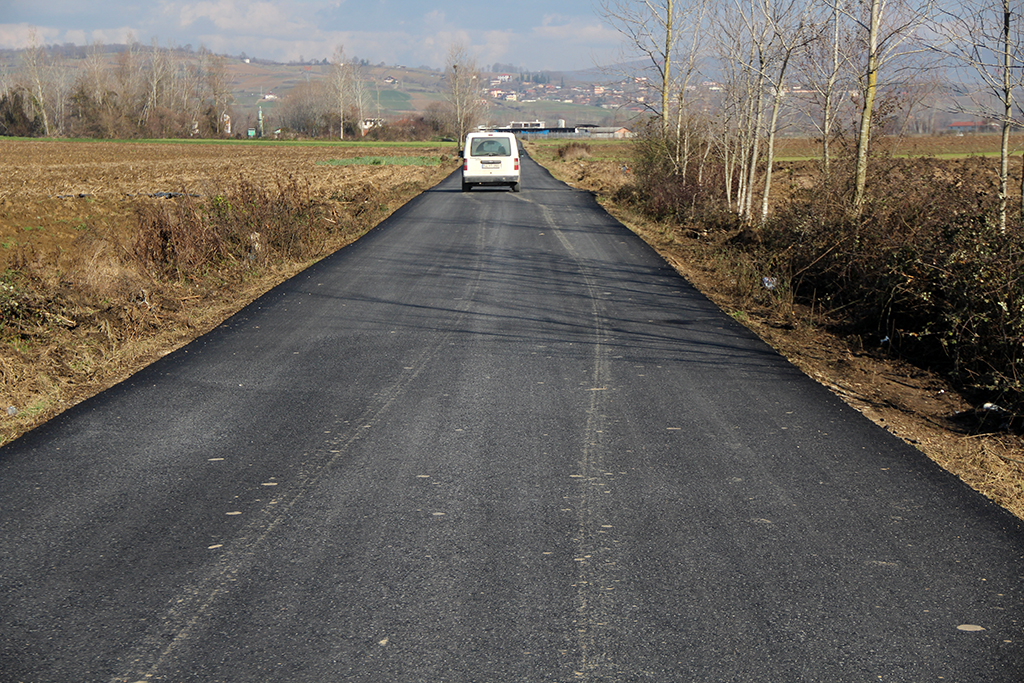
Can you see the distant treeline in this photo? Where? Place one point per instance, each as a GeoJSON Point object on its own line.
{"type": "Point", "coordinates": [115, 91]}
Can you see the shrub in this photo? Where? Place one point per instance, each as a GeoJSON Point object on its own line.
{"type": "Point", "coordinates": [684, 192]}
{"type": "Point", "coordinates": [573, 150]}
{"type": "Point", "coordinates": [185, 237]}
{"type": "Point", "coordinates": [923, 272]}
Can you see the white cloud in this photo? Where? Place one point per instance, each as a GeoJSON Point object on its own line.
{"type": "Point", "coordinates": [18, 36]}
{"type": "Point", "coordinates": [589, 31]}
{"type": "Point", "coordinates": [284, 30]}
{"type": "Point", "coordinates": [499, 46]}
{"type": "Point", "coordinates": [239, 18]}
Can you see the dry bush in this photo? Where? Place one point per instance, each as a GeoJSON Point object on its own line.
{"type": "Point", "coordinates": [924, 272]}
{"type": "Point", "coordinates": [188, 237]}
{"type": "Point", "coordinates": [573, 150]}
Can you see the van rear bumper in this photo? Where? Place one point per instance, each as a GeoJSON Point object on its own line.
{"type": "Point", "coordinates": [490, 179]}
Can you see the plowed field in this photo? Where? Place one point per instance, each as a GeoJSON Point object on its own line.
{"type": "Point", "coordinates": [52, 191]}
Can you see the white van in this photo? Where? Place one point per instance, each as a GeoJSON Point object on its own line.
{"type": "Point", "coordinates": [490, 158]}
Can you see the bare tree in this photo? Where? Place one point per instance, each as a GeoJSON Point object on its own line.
{"type": "Point", "coordinates": [463, 91]}
{"type": "Point", "coordinates": [690, 36]}
{"type": "Point", "coordinates": [746, 49]}
{"type": "Point", "coordinates": [340, 85]}
{"type": "Point", "coordinates": [156, 76]}
{"type": "Point", "coordinates": [359, 94]}
{"type": "Point", "coordinates": [129, 80]}
{"type": "Point", "coordinates": [6, 80]}
{"type": "Point", "coordinates": [824, 69]}
{"type": "Point", "coordinates": [792, 30]}
{"type": "Point", "coordinates": [94, 77]}
{"type": "Point", "coordinates": [193, 87]}
{"type": "Point", "coordinates": [62, 83]}
{"type": "Point", "coordinates": [306, 107]}
{"type": "Point", "coordinates": [34, 63]}
{"type": "Point", "coordinates": [219, 89]}
{"type": "Point", "coordinates": [651, 30]}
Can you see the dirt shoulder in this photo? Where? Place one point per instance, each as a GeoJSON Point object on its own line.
{"type": "Point", "coordinates": [915, 405]}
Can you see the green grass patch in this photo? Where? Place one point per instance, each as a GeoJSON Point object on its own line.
{"type": "Point", "coordinates": [263, 142]}
{"type": "Point", "coordinates": [381, 161]}
{"type": "Point", "coordinates": [394, 100]}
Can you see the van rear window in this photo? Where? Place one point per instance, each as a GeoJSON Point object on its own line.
{"type": "Point", "coordinates": [490, 147]}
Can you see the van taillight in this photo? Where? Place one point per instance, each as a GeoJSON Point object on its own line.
{"type": "Point", "coordinates": [465, 164]}
{"type": "Point", "coordinates": [517, 163]}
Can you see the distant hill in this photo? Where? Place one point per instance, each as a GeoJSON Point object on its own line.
{"type": "Point", "coordinates": [397, 91]}
{"type": "Point", "coordinates": [393, 91]}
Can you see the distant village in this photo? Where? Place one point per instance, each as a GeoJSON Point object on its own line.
{"type": "Point", "coordinates": [628, 94]}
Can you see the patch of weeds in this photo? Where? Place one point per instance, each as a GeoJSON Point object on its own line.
{"type": "Point", "coordinates": [10, 304]}
{"type": "Point", "coordinates": [573, 150]}
{"type": "Point", "coordinates": [249, 225]}
{"type": "Point", "coordinates": [19, 345]}
{"type": "Point", "coordinates": [35, 409]}
{"type": "Point", "coordinates": [740, 316]}
{"type": "Point", "coordinates": [30, 228]}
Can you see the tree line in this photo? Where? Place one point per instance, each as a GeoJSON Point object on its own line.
{"type": "Point", "coordinates": [845, 66]}
{"type": "Point", "coordinates": [920, 258]}
{"type": "Point", "coordinates": [134, 91]}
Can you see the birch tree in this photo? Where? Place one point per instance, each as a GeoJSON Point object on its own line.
{"type": "Point", "coordinates": [793, 30]}
{"type": "Point", "coordinates": [690, 42]}
{"type": "Point", "coordinates": [985, 38]}
{"type": "Point", "coordinates": [824, 68]}
{"type": "Point", "coordinates": [745, 48]}
{"type": "Point", "coordinates": [155, 78]}
{"type": "Point", "coordinates": [359, 95]}
{"type": "Point", "coordinates": [650, 29]}
{"type": "Point", "coordinates": [34, 63]}
{"type": "Point", "coordinates": [885, 29]}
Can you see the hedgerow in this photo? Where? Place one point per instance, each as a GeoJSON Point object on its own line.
{"type": "Point", "coordinates": [924, 271]}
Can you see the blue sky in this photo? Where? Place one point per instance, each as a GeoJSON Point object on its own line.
{"type": "Point", "coordinates": [534, 34]}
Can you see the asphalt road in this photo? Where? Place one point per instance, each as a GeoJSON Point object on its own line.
{"type": "Point", "coordinates": [498, 439]}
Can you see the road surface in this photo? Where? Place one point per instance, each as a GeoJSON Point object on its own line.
{"type": "Point", "coordinates": [497, 439]}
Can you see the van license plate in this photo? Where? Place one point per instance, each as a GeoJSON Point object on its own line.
{"type": "Point", "coordinates": [490, 164]}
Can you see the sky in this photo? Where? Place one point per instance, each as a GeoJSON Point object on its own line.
{"type": "Point", "coordinates": [533, 34]}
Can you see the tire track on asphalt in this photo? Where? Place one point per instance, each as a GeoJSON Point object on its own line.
{"type": "Point", "coordinates": [595, 558]}
{"type": "Point", "coordinates": [183, 618]}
